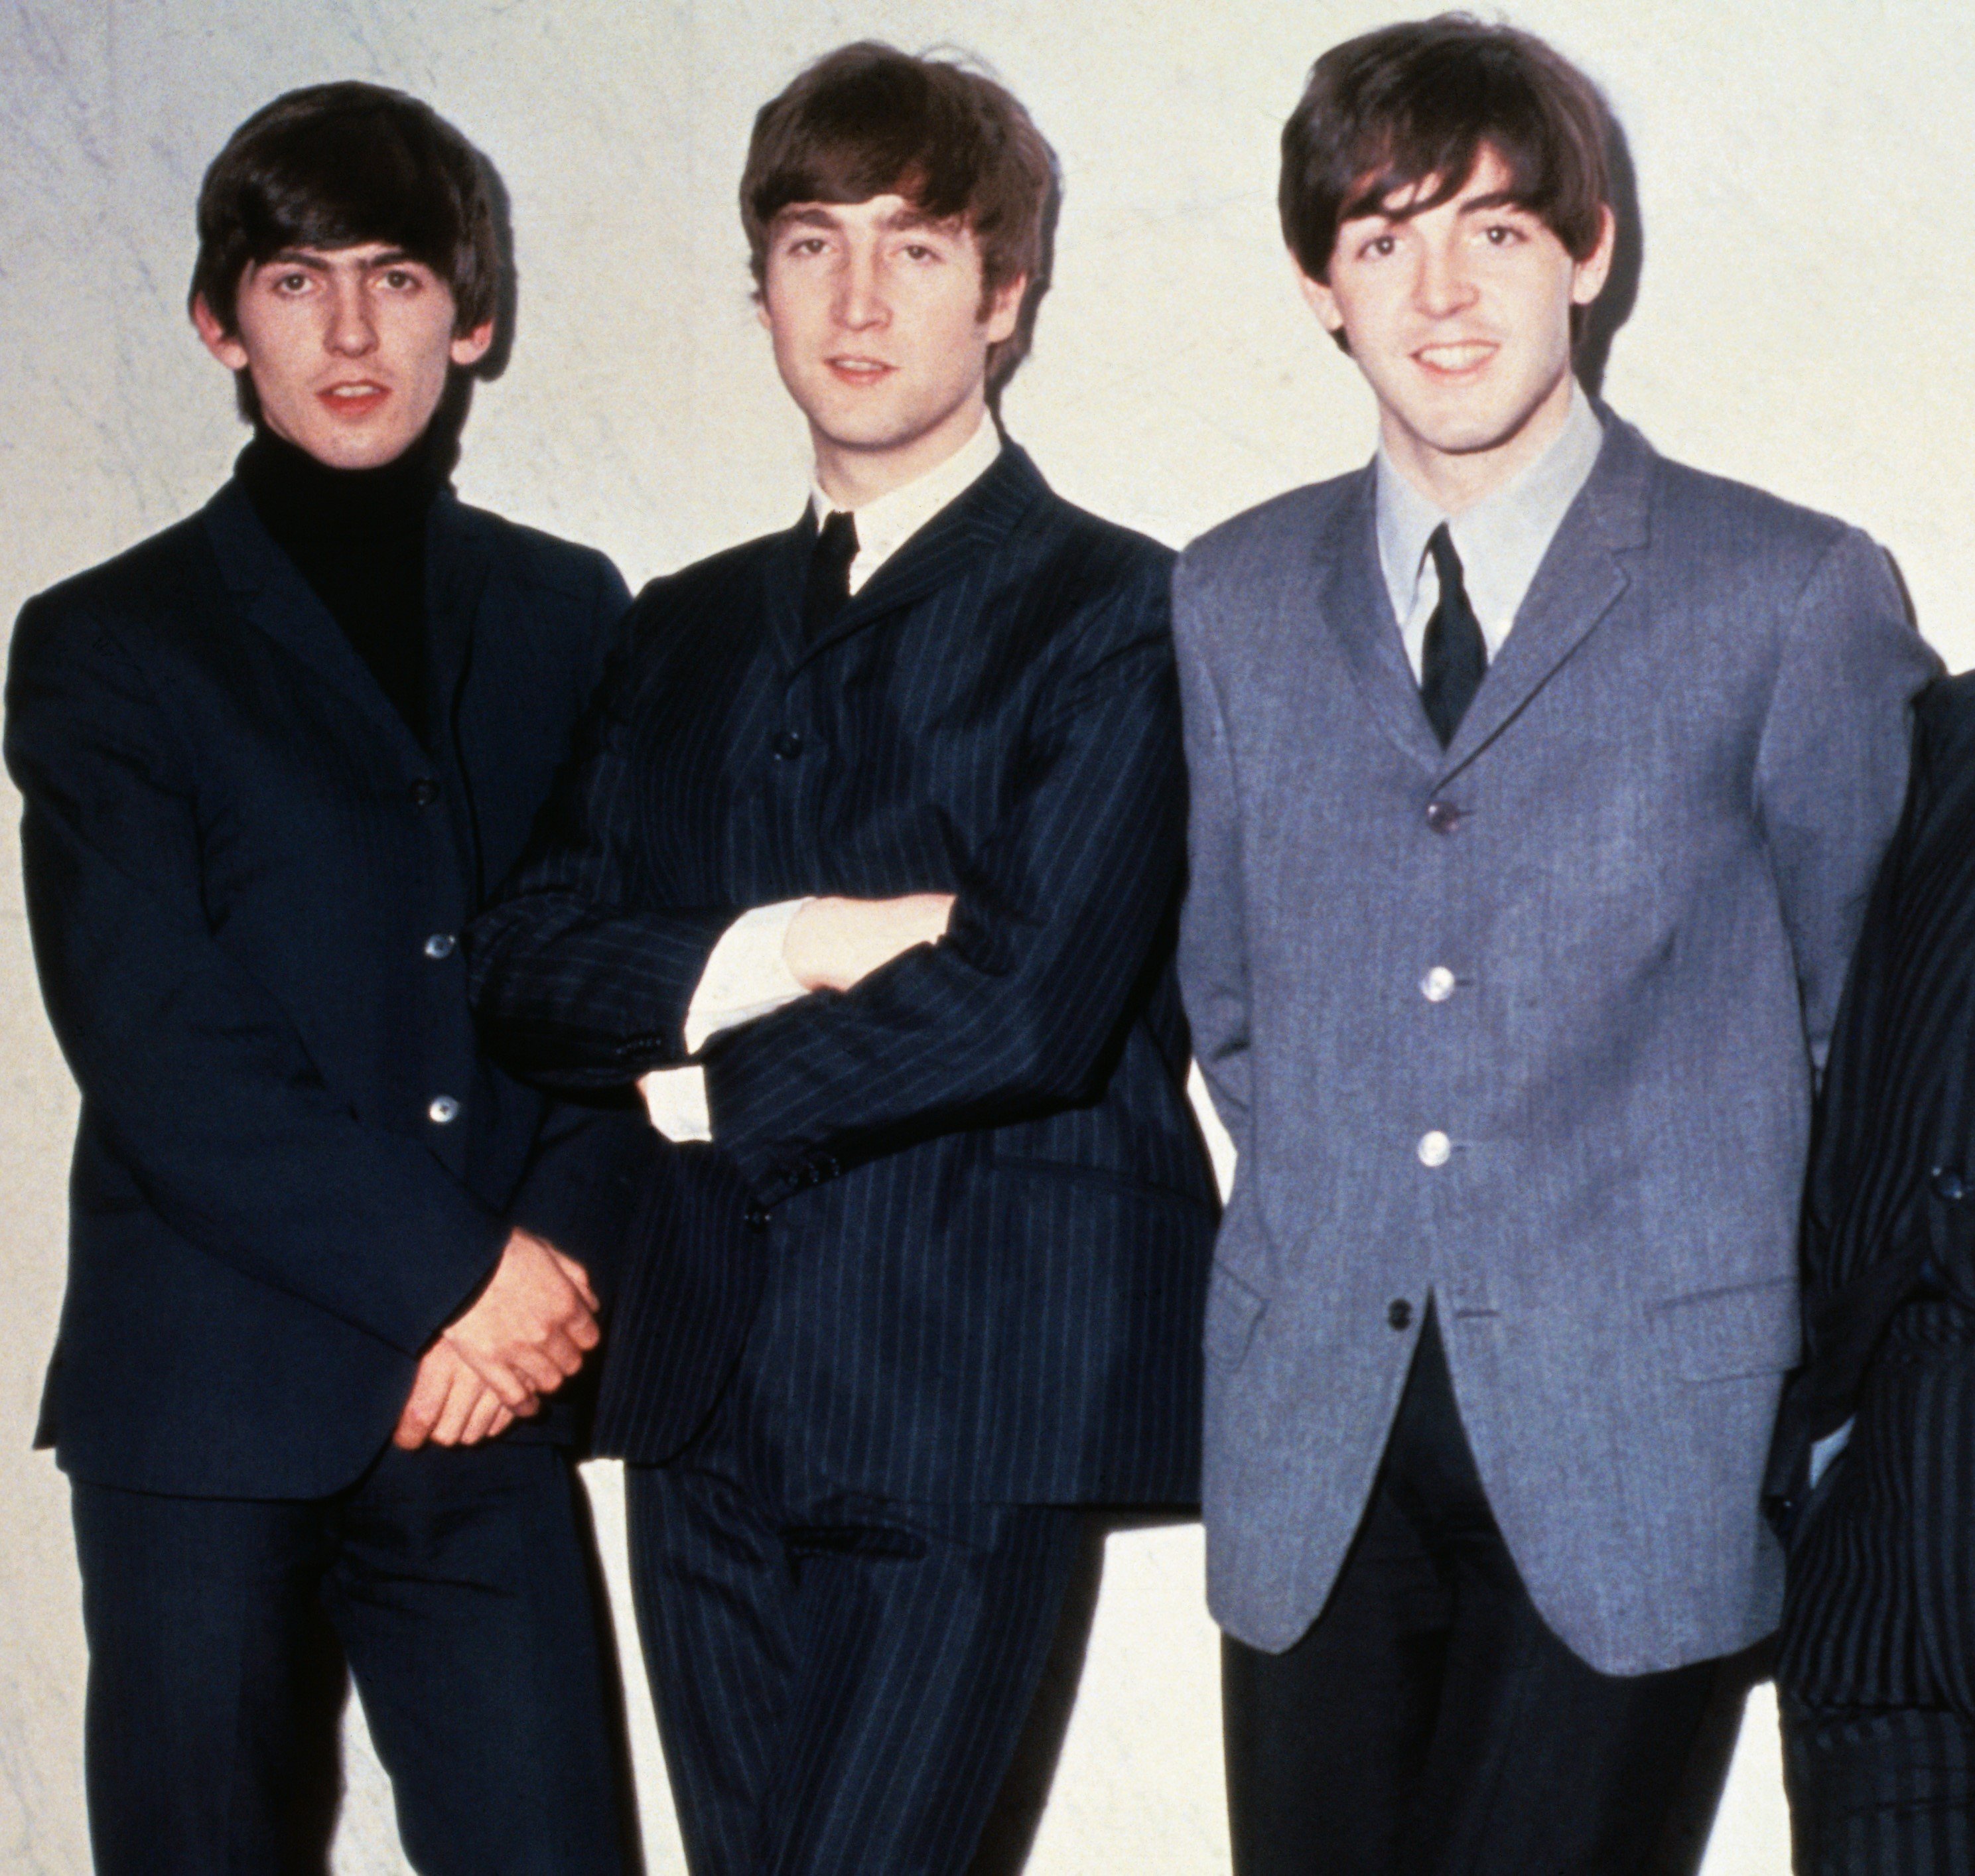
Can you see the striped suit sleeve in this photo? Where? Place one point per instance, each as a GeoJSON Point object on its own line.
{"type": "Point", "coordinates": [1016, 1010]}
{"type": "Point", "coordinates": [580, 980]}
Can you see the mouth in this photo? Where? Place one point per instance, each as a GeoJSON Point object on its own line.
{"type": "Point", "coordinates": [357, 398]}
{"type": "Point", "coordinates": [1459, 358]}
{"type": "Point", "coordinates": [850, 369]}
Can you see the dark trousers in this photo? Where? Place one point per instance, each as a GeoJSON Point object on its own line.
{"type": "Point", "coordinates": [1885, 1792]}
{"type": "Point", "coordinates": [459, 1586]}
{"type": "Point", "coordinates": [1428, 1722]}
{"type": "Point", "coordinates": [840, 1681]}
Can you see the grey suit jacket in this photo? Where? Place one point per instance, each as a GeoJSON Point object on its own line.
{"type": "Point", "coordinates": [1644, 858]}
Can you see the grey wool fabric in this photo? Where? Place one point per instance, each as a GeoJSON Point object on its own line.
{"type": "Point", "coordinates": [1530, 1023]}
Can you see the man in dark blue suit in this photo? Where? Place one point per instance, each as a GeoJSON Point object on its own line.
{"type": "Point", "coordinates": [272, 761]}
{"type": "Point", "coordinates": [869, 873]}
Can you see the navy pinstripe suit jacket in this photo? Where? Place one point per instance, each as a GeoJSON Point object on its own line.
{"type": "Point", "coordinates": [981, 1209]}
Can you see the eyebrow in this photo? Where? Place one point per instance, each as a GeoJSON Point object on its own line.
{"type": "Point", "coordinates": [818, 215]}
{"type": "Point", "coordinates": [316, 264]}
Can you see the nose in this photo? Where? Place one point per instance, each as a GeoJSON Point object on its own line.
{"type": "Point", "coordinates": [860, 294]}
{"type": "Point", "coordinates": [352, 330]}
{"type": "Point", "coordinates": [1444, 285]}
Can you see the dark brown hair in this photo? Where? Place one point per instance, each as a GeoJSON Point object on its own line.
{"type": "Point", "coordinates": [868, 120]}
{"type": "Point", "coordinates": [335, 166]}
{"type": "Point", "coordinates": [1418, 101]}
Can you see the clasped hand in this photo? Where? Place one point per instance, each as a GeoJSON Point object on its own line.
{"type": "Point", "coordinates": [522, 1337]}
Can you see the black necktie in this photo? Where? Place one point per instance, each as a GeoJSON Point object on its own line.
{"type": "Point", "coordinates": [1455, 654]}
{"type": "Point", "coordinates": [828, 586]}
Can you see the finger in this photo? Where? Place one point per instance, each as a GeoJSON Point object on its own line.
{"type": "Point", "coordinates": [503, 1420]}
{"type": "Point", "coordinates": [487, 1409]}
{"type": "Point", "coordinates": [512, 1386]}
{"type": "Point", "coordinates": [577, 1275]}
{"type": "Point", "coordinates": [422, 1407]}
{"type": "Point", "coordinates": [460, 1399]}
{"type": "Point", "coordinates": [562, 1350]}
{"type": "Point", "coordinates": [584, 1332]}
{"type": "Point", "coordinates": [538, 1368]}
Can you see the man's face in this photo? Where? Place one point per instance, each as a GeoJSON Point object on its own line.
{"type": "Point", "coordinates": [348, 348]}
{"type": "Point", "coordinates": [880, 334]}
{"type": "Point", "coordinates": [1460, 318]}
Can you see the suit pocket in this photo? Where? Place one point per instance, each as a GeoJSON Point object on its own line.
{"type": "Point", "coordinates": [1233, 1310]}
{"type": "Point", "coordinates": [1721, 1334]}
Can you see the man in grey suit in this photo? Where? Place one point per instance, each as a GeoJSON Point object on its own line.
{"type": "Point", "coordinates": [1537, 784]}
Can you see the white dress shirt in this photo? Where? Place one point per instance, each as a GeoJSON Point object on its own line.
{"type": "Point", "coordinates": [1501, 540]}
{"type": "Point", "coordinates": [746, 975]}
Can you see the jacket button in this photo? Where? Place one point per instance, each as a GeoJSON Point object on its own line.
{"type": "Point", "coordinates": [756, 1217]}
{"type": "Point", "coordinates": [788, 745]}
{"type": "Point", "coordinates": [444, 1110]}
{"type": "Point", "coordinates": [441, 945]}
{"type": "Point", "coordinates": [425, 791]}
{"type": "Point", "coordinates": [1399, 1313]}
{"type": "Point", "coordinates": [1948, 1184]}
{"type": "Point", "coordinates": [1437, 985]}
{"type": "Point", "coordinates": [1435, 1148]}
{"type": "Point", "coordinates": [1442, 816]}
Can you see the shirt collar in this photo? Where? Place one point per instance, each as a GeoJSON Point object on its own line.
{"type": "Point", "coordinates": [885, 525]}
{"type": "Point", "coordinates": [1501, 540]}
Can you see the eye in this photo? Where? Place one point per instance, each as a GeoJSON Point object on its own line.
{"type": "Point", "coordinates": [807, 244]}
{"type": "Point", "coordinates": [1379, 247]}
{"type": "Point", "coordinates": [294, 281]}
{"type": "Point", "coordinates": [400, 279]}
{"type": "Point", "coordinates": [918, 251]}
{"type": "Point", "coordinates": [1502, 234]}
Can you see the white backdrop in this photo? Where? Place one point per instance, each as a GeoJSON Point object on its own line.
{"type": "Point", "coordinates": [1801, 322]}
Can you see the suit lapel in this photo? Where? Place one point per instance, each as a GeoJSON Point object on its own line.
{"type": "Point", "coordinates": [1352, 599]}
{"type": "Point", "coordinates": [1579, 580]}
{"type": "Point", "coordinates": [976, 521]}
{"type": "Point", "coordinates": [270, 591]}
{"type": "Point", "coordinates": [459, 549]}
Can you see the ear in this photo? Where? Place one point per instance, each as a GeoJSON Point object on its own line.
{"type": "Point", "coordinates": [1004, 308]}
{"type": "Point", "coordinates": [1322, 301]}
{"type": "Point", "coordinates": [224, 345]}
{"type": "Point", "coordinates": [471, 347]}
{"type": "Point", "coordinates": [1587, 280]}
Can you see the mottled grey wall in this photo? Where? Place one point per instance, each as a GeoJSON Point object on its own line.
{"type": "Point", "coordinates": [1801, 322]}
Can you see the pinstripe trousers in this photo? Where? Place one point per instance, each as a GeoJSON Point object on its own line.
{"type": "Point", "coordinates": [840, 1680]}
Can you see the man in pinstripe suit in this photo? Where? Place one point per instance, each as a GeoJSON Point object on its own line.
{"type": "Point", "coordinates": [1877, 1663]}
{"type": "Point", "coordinates": [869, 875]}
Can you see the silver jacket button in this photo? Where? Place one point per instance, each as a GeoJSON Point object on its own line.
{"type": "Point", "coordinates": [1435, 1148]}
{"type": "Point", "coordinates": [446, 1109]}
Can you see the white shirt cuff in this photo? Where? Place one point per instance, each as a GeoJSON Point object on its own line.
{"type": "Point", "coordinates": [746, 977]}
{"type": "Point", "coordinates": [675, 1098]}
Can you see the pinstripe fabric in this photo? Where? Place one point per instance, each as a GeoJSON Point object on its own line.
{"type": "Point", "coordinates": [983, 1206]}
{"type": "Point", "coordinates": [1884, 1793]}
{"type": "Point", "coordinates": [840, 1682]}
{"type": "Point", "coordinates": [1880, 1606]}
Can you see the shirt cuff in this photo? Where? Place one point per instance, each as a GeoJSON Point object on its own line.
{"type": "Point", "coordinates": [746, 977]}
{"type": "Point", "coordinates": [675, 1098]}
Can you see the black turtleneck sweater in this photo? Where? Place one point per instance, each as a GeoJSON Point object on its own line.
{"type": "Point", "coordinates": [359, 538]}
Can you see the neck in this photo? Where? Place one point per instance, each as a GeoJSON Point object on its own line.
{"type": "Point", "coordinates": [852, 477]}
{"type": "Point", "coordinates": [1455, 480]}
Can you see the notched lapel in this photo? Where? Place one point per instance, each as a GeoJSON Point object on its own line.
{"type": "Point", "coordinates": [1352, 599]}
{"type": "Point", "coordinates": [269, 589]}
{"type": "Point", "coordinates": [975, 522]}
{"type": "Point", "coordinates": [459, 551]}
{"type": "Point", "coordinates": [1580, 579]}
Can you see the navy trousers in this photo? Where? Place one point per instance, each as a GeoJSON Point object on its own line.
{"type": "Point", "coordinates": [1428, 1722]}
{"type": "Point", "coordinates": [840, 1681]}
{"type": "Point", "coordinates": [459, 1584]}
{"type": "Point", "coordinates": [1879, 1792]}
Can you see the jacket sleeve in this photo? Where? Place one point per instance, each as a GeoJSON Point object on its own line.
{"type": "Point", "coordinates": [578, 980]}
{"type": "Point", "coordinates": [1831, 770]}
{"type": "Point", "coordinates": [1018, 1009]}
{"type": "Point", "coordinates": [194, 1072]}
{"type": "Point", "coordinates": [1212, 944]}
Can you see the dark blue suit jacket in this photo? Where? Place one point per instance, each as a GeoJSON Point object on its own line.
{"type": "Point", "coordinates": [982, 1207]}
{"type": "Point", "coordinates": [244, 880]}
